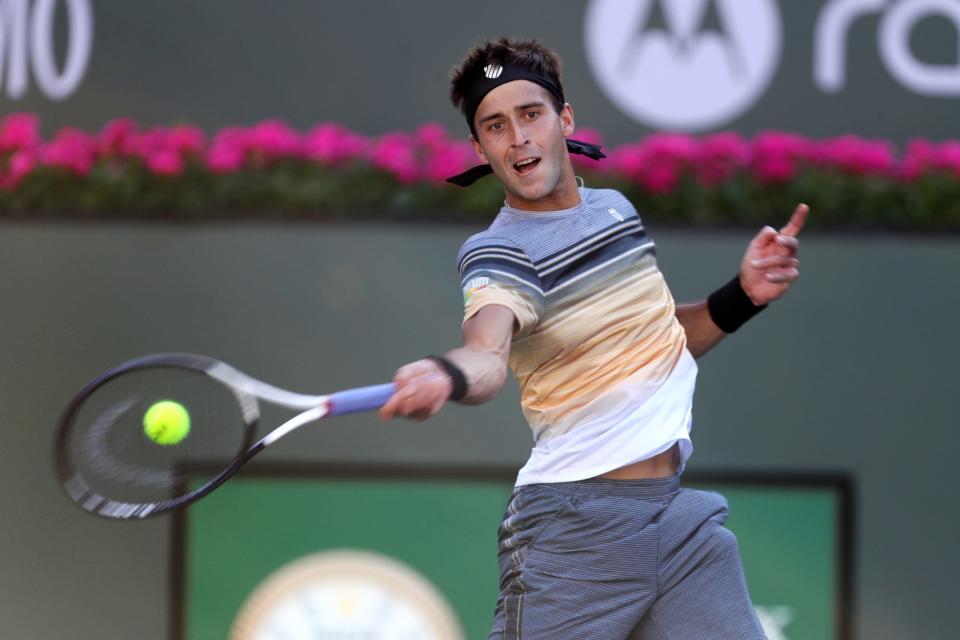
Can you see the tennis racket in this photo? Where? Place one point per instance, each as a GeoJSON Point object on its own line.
{"type": "Point", "coordinates": [109, 466]}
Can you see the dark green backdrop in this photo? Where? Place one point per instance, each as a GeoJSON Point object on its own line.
{"type": "Point", "coordinates": [852, 373]}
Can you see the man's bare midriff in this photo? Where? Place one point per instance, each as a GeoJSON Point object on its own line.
{"type": "Point", "coordinates": [661, 465]}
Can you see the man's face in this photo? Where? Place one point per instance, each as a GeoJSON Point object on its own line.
{"type": "Point", "coordinates": [523, 138]}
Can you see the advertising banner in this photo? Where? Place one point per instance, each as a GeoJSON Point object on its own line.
{"type": "Point", "coordinates": [876, 68]}
{"type": "Point", "coordinates": [303, 556]}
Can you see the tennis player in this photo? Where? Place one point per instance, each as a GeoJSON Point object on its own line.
{"type": "Point", "coordinates": [598, 539]}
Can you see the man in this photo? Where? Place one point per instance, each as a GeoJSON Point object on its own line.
{"type": "Point", "coordinates": [598, 540]}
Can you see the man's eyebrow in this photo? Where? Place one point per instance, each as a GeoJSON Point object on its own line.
{"type": "Point", "coordinates": [492, 116]}
{"type": "Point", "coordinates": [530, 105]}
{"type": "Point", "coordinates": [522, 107]}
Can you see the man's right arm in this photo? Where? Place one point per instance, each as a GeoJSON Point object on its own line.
{"type": "Point", "coordinates": [423, 387]}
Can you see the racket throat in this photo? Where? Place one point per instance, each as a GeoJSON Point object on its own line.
{"type": "Point", "coordinates": [311, 415]}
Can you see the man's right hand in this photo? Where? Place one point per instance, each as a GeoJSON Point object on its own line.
{"type": "Point", "coordinates": [423, 386]}
{"type": "Point", "coordinates": [422, 389]}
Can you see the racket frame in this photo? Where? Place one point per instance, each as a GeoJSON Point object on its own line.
{"type": "Point", "coordinates": [246, 390]}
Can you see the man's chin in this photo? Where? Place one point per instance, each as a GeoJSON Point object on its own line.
{"type": "Point", "coordinates": [530, 192]}
{"type": "Point", "coordinates": [526, 201]}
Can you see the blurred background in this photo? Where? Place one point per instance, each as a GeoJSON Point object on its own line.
{"type": "Point", "coordinates": [262, 183]}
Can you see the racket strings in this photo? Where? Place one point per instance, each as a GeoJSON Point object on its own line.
{"type": "Point", "coordinates": [112, 456]}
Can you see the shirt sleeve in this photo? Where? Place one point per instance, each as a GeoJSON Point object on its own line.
{"type": "Point", "coordinates": [499, 272]}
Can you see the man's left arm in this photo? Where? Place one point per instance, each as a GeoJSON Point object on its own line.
{"type": "Point", "coordinates": [769, 266]}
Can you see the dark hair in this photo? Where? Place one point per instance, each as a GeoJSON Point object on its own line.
{"type": "Point", "coordinates": [529, 53]}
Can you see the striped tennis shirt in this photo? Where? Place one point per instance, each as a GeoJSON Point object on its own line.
{"type": "Point", "coordinates": [605, 377]}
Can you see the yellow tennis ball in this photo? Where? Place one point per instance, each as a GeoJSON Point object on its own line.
{"type": "Point", "coordinates": [166, 422]}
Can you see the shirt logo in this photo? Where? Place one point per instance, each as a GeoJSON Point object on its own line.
{"type": "Point", "coordinates": [492, 71]}
{"type": "Point", "coordinates": [472, 287]}
{"type": "Point", "coordinates": [709, 60]}
{"type": "Point", "coordinates": [616, 214]}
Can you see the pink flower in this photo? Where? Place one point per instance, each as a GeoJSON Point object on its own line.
{"type": "Point", "coordinates": [225, 158]}
{"type": "Point", "coordinates": [117, 137]}
{"type": "Point", "coordinates": [186, 139]}
{"type": "Point", "coordinates": [778, 155]}
{"type": "Point", "coordinates": [432, 136]}
{"type": "Point", "coordinates": [923, 157]}
{"type": "Point", "coordinates": [163, 151]}
{"type": "Point", "coordinates": [71, 149]}
{"type": "Point", "coordinates": [658, 163]}
{"type": "Point", "coordinates": [919, 157]}
{"type": "Point", "coordinates": [627, 160]}
{"type": "Point", "coordinates": [165, 162]}
{"type": "Point", "coordinates": [775, 169]}
{"type": "Point", "coordinates": [856, 156]}
{"type": "Point", "coordinates": [721, 155]}
{"type": "Point", "coordinates": [19, 131]}
{"type": "Point", "coordinates": [146, 143]}
{"type": "Point", "coordinates": [673, 146]}
{"type": "Point", "coordinates": [948, 157]}
{"type": "Point", "coordinates": [227, 153]}
{"type": "Point", "coordinates": [448, 161]}
{"type": "Point", "coordinates": [396, 153]}
{"type": "Point", "coordinates": [21, 163]}
{"type": "Point", "coordinates": [661, 178]}
{"type": "Point", "coordinates": [332, 144]}
{"type": "Point", "coordinates": [272, 140]}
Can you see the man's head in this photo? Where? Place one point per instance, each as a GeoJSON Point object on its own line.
{"type": "Point", "coordinates": [511, 94]}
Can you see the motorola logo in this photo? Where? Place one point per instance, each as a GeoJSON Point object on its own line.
{"type": "Point", "coordinates": [683, 64]}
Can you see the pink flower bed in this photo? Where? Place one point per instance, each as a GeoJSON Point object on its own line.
{"type": "Point", "coordinates": [657, 163]}
{"type": "Point", "coordinates": [429, 154]}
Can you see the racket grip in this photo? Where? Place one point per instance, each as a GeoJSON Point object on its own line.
{"type": "Point", "coordinates": [360, 399]}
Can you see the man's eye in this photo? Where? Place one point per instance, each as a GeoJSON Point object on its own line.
{"type": "Point", "coordinates": [496, 126]}
{"type": "Point", "coordinates": [532, 114]}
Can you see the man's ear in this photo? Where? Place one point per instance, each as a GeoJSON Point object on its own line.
{"type": "Point", "coordinates": [567, 124]}
{"type": "Point", "coordinates": [477, 149]}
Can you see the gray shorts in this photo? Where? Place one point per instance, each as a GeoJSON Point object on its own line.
{"type": "Point", "coordinates": [618, 560]}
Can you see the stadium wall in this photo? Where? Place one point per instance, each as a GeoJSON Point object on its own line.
{"type": "Point", "coordinates": [851, 374]}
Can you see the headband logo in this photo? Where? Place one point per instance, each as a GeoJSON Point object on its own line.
{"type": "Point", "coordinates": [492, 71]}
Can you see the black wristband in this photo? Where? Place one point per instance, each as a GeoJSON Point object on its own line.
{"type": "Point", "coordinates": [456, 377]}
{"type": "Point", "coordinates": [730, 306]}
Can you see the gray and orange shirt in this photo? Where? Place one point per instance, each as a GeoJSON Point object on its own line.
{"type": "Point", "coordinates": [605, 377]}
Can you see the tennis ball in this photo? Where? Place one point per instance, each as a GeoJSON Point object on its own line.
{"type": "Point", "coordinates": [166, 422]}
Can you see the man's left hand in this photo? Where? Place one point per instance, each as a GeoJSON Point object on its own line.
{"type": "Point", "coordinates": [770, 264]}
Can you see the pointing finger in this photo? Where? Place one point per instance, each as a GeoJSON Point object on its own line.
{"type": "Point", "coordinates": [797, 220]}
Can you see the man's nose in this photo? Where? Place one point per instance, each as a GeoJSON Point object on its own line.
{"type": "Point", "coordinates": [519, 135]}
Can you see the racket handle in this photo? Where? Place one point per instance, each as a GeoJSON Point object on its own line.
{"type": "Point", "coordinates": [361, 399]}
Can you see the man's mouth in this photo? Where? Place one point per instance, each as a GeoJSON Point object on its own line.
{"type": "Point", "coordinates": [526, 166]}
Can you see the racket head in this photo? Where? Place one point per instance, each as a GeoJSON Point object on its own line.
{"type": "Point", "coordinates": [107, 464]}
